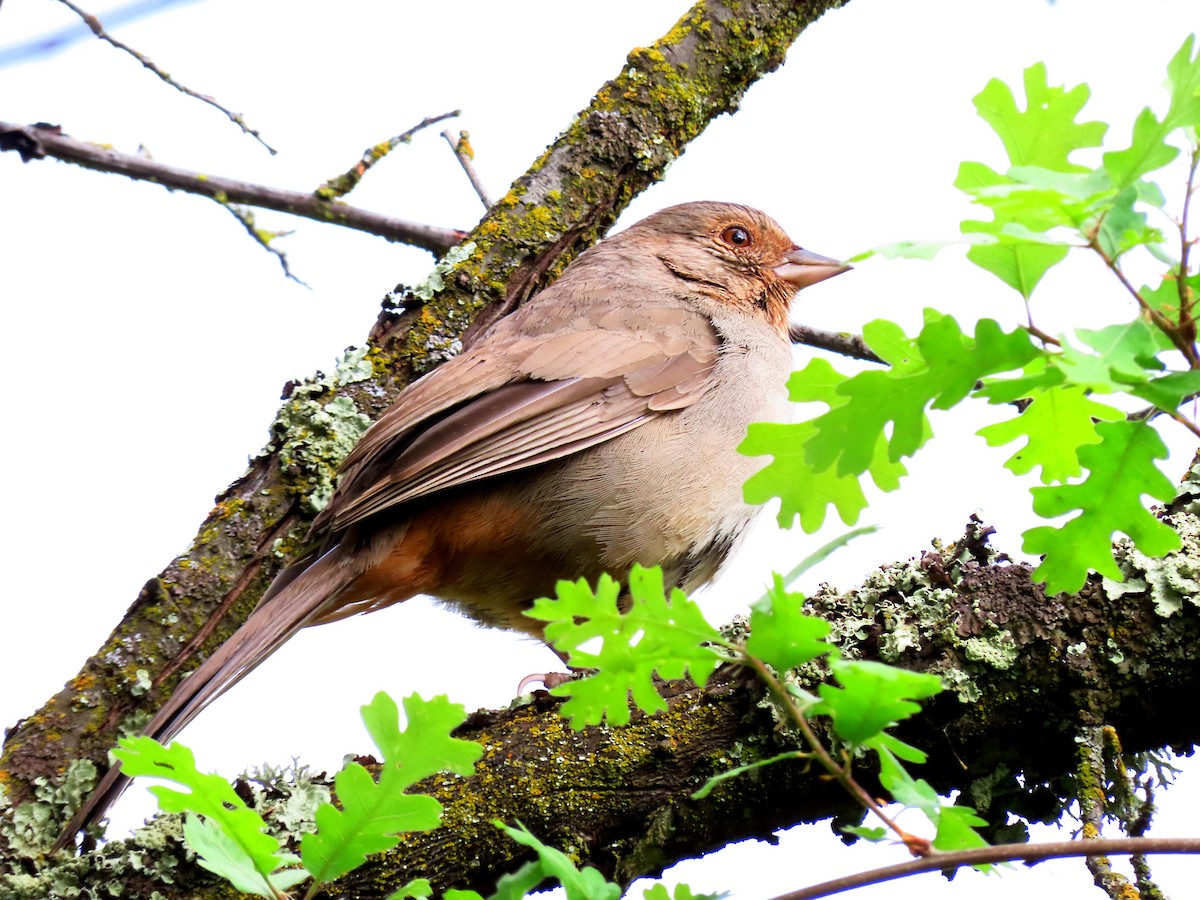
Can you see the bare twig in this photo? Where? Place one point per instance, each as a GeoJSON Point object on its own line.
{"type": "Point", "coordinates": [851, 345]}
{"type": "Point", "coordinates": [461, 146]}
{"type": "Point", "coordinates": [97, 29]}
{"type": "Point", "coordinates": [340, 185]}
{"type": "Point", "coordinates": [1187, 298]}
{"type": "Point", "coordinates": [263, 238]}
{"type": "Point", "coordinates": [1042, 336]}
{"type": "Point", "coordinates": [41, 140]}
{"type": "Point", "coordinates": [1029, 853]}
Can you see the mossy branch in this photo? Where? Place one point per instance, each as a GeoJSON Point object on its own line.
{"type": "Point", "coordinates": [621, 799]}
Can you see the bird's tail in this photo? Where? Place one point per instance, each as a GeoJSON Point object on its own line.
{"type": "Point", "coordinates": [295, 599]}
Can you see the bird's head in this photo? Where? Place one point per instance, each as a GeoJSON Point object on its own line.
{"type": "Point", "coordinates": [734, 254]}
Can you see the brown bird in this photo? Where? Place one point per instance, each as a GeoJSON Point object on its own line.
{"type": "Point", "coordinates": [592, 429]}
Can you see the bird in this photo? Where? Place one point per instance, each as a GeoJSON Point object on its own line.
{"type": "Point", "coordinates": [593, 428]}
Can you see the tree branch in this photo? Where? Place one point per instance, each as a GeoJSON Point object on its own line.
{"type": "Point", "coordinates": [1020, 663]}
{"type": "Point", "coordinates": [41, 140]}
{"type": "Point", "coordinates": [851, 345]}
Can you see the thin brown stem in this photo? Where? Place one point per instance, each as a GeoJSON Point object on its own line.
{"type": "Point", "coordinates": [98, 30]}
{"type": "Point", "coordinates": [461, 146]}
{"type": "Point", "coordinates": [1169, 328]}
{"type": "Point", "coordinates": [1043, 336]}
{"type": "Point", "coordinates": [1183, 420]}
{"type": "Point", "coordinates": [1029, 853]}
{"type": "Point", "coordinates": [1186, 299]}
{"type": "Point", "coordinates": [263, 238]}
{"type": "Point", "coordinates": [340, 185]}
{"type": "Point", "coordinates": [916, 845]}
{"type": "Point", "coordinates": [39, 141]}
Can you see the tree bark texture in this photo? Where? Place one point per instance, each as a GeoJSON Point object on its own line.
{"type": "Point", "coordinates": [620, 144]}
{"type": "Point", "coordinates": [1031, 672]}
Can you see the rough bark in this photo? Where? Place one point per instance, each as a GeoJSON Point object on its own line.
{"type": "Point", "coordinates": [620, 144]}
{"type": "Point", "coordinates": [1031, 672]}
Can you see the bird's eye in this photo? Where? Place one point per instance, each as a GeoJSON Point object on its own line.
{"type": "Point", "coordinates": [737, 236]}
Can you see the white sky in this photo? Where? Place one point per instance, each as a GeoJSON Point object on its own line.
{"type": "Point", "coordinates": [146, 339]}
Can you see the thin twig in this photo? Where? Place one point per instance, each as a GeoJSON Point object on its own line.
{"type": "Point", "coordinates": [340, 185]}
{"type": "Point", "coordinates": [1186, 299]}
{"type": "Point", "coordinates": [1029, 853]}
{"type": "Point", "coordinates": [916, 845]}
{"type": "Point", "coordinates": [461, 146]}
{"type": "Point", "coordinates": [97, 29]}
{"type": "Point", "coordinates": [1182, 344]}
{"type": "Point", "coordinates": [1042, 335]}
{"type": "Point", "coordinates": [851, 345]}
{"type": "Point", "coordinates": [263, 238]}
{"type": "Point", "coordinates": [40, 140]}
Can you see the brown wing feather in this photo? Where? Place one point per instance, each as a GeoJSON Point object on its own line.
{"type": "Point", "coordinates": [526, 402]}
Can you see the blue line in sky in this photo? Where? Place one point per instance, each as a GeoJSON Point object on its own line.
{"type": "Point", "coordinates": [53, 42]}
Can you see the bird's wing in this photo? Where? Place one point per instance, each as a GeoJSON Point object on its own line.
{"type": "Point", "coordinates": [521, 402]}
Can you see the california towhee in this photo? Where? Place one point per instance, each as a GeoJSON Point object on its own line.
{"type": "Point", "coordinates": [592, 429]}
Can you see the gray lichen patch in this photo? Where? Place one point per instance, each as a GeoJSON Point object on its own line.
{"type": "Point", "coordinates": [313, 435]}
{"type": "Point", "coordinates": [1172, 580]}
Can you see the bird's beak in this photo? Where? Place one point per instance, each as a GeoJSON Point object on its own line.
{"type": "Point", "coordinates": [803, 268]}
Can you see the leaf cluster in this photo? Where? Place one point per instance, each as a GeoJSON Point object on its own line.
{"type": "Point", "coordinates": [669, 637]}
{"type": "Point", "coordinates": [232, 840]}
{"type": "Point", "coordinates": [1097, 465]}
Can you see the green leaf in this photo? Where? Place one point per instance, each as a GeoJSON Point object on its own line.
{"type": "Point", "coordinates": [1171, 391]}
{"type": "Point", "coordinates": [682, 892]}
{"type": "Point", "coordinates": [217, 851]}
{"type": "Point", "coordinates": [902, 250]}
{"type": "Point", "coordinates": [1017, 262]}
{"type": "Point", "coordinates": [245, 846]}
{"type": "Point", "coordinates": [1149, 149]}
{"type": "Point", "coordinates": [781, 634]}
{"type": "Point", "coordinates": [872, 697]}
{"type": "Point", "coordinates": [952, 364]}
{"type": "Point", "coordinates": [823, 552]}
{"type": "Point", "coordinates": [1057, 422]}
{"type": "Point", "coordinates": [374, 814]}
{"type": "Point", "coordinates": [1045, 133]}
{"type": "Point", "coordinates": [579, 884]}
{"type": "Point", "coordinates": [1123, 227]}
{"type": "Point", "coordinates": [373, 817]}
{"type": "Point", "coordinates": [874, 835]}
{"type": "Point", "coordinates": [1127, 350]}
{"type": "Point", "coordinates": [956, 829]}
{"type": "Point", "coordinates": [1165, 297]}
{"type": "Point", "coordinates": [1121, 470]}
{"type": "Point", "coordinates": [955, 824]}
{"type": "Point", "coordinates": [425, 746]}
{"type": "Point", "coordinates": [658, 633]}
{"type": "Point", "coordinates": [805, 492]}
{"type": "Point", "coordinates": [915, 793]}
{"type": "Point", "coordinates": [739, 770]}
{"type": "Point", "coordinates": [417, 888]}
